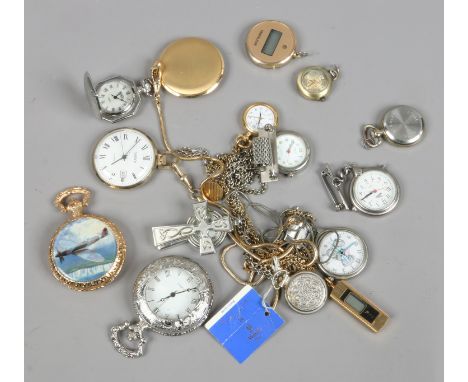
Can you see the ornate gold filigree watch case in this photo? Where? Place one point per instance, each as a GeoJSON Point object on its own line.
{"type": "Point", "coordinates": [87, 251]}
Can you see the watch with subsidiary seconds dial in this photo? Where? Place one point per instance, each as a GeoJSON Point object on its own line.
{"type": "Point", "coordinates": [124, 158]}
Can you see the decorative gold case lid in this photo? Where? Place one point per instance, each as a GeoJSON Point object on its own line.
{"type": "Point", "coordinates": [191, 67]}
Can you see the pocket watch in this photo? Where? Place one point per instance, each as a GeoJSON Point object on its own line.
{"type": "Point", "coordinates": [293, 152]}
{"type": "Point", "coordinates": [401, 126]}
{"type": "Point", "coordinates": [189, 67]}
{"type": "Point", "coordinates": [115, 98]}
{"type": "Point", "coordinates": [171, 296]}
{"type": "Point", "coordinates": [124, 158]}
{"type": "Point", "coordinates": [342, 253]}
{"type": "Point", "coordinates": [372, 190]}
{"type": "Point", "coordinates": [315, 82]}
{"type": "Point", "coordinates": [272, 44]}
{"type": "Point", "coordinates": [306, 292]}
{"type": "Point", "coordinates": [87, 251]}
{"type": "Point", "coordinates": [258, 115]}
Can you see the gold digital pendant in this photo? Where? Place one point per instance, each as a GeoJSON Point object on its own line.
{"type": "Point", "coordinates": [190, 67]}
{"type": "Point", "coordinates": [87, 251]}
{"type": "Point", "coordinates": [358, 306]}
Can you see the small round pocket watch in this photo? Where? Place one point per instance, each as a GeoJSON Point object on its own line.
{"type": "Point", "coordinates": [87, 251]}
{"type": "Point", "coordinates": [401, 126]}
{"type": "Point", "coordinates": [115, 98]}
{"type": "Point", "coordinates": [293, 152]}
{"type": "Point", "coordinates": [124, 158]}
{"type": "Point", "coordinates": [315, 82]}
{"type": "Point", "coordinates": [272, 44]}
{"type": "Point", "coordinates": [172, 296]}
{"type": "Point", "coordinates": [258, 115]}
{"type": "Point", "coordinates": [372, 190]}
{"type": "Point", "coordinates": [306, 292]}
{"type": "Point", "coordinates": [342, 253]}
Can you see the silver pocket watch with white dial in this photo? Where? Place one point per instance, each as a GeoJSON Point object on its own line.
{"type": "Point", "coordinates": [370, 190]}
{"type": "Point", "coordinates": [401, 126]}
{"type": "Point", "coordinates": [342, 253]}
{"type": "Point", "coordinates": [171, 296]}
{"type": "Point", "coordinates": [293, 152]}
{"type": "Point", "coordinates": [115, 98]}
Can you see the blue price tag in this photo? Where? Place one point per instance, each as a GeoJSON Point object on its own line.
{"type": "Point", "coordinates": [243, 324]}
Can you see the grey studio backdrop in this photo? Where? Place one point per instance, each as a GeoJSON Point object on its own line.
{"type": "Point", "coordinates": [390, 52]}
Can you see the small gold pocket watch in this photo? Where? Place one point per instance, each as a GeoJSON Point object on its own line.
{"type": "Point", "coordinates": [87, 251]}
{"type": "Point", "coordinates": [315, 82]}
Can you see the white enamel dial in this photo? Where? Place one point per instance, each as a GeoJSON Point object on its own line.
{"type": "Point", "coordinates": [375, 192]}
{"type": "Point", "coordinates": [342, 253]}
{"type": "Point", "coordinates": [115, 96]}
{"type": "Point", "coordinates": [256, 116]}
{"type": "Point", "coordinates": [293, 152]}
{"type": "Point", "coordinates": [173, 293]}
{"type": "Point", "coordinates": [124, 158]}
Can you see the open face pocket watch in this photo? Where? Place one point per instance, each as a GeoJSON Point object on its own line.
{"type": "Point", "coordinates": [87, 251]}
{"type": "Point", "coordinates": [371, 190]}
{"type": "Point", "coordinates": [171, 296]}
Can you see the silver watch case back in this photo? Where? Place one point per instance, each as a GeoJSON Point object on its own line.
{"type": "Point", "coordinates": [356, 171]}
{"type": "Point", "coordinates": [93, 100]}
{"type": "Point", "coordinates": [403, 126]}
{"type": "Point", "coordinates": [291, 171]}
{"type": "Point", "coordinates": [306, 292]}
{"type": "Point", "coordinates": [170, 327]}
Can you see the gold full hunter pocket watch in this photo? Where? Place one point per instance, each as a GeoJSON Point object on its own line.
{"type": "Point", "coordinates": [87, 251]}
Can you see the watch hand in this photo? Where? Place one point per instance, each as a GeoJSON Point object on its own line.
{"type": "Point", "coordinates": [369, 194]}
{"type": "Point", "coordinates": [289, 148]}
{"type": "Point", "coordinates": [122, 157]}
{"type": "Point", "coordinates": [345, 249]}
{"type": "Point", "coordinates": [259, 119]}
{"type": "Point", "coordinates": [173, 294]}
{"type": "Point", "coordinates": [126, 154]}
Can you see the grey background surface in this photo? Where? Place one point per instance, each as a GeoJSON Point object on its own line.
{"type": "Point", "coordinates": [390, 52]}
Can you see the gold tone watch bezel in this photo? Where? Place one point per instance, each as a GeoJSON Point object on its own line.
{"type": "Point", "coordinates": [248, 108]}
{"type": "Point", "coordinates": [285, 50]}
{"type": "Point", "coordinates": [141, 182]}
{"type": "Point", "coordinates": [191, 67]}
{"type": "Point", "coordinates": [103, 280]}
{"type": "Point", "coordinates": [314, 95]}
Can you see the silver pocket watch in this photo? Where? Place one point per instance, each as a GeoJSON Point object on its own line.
{"type": "Point", "coordinates": [171, 296]}
{"type": "Point", "coordinates": [293, 152]}
{"type": "Point", "coordinates": [116, 98]}
{"type": "Point", "coordinates": [401, 126]}
{"type": "Point", "coordinates": [370, 190]}
{"type": "Point", "coordinates": [342, 253]}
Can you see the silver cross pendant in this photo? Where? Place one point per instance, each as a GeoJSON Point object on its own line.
{"type": "Point", "coordinates": [206, 229]}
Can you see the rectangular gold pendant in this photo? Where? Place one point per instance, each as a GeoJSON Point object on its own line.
{"type": "Point", "coordinates": [359, 306]}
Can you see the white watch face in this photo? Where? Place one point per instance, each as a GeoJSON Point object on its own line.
{"type": "Point", "coordinates": [292, 151]}
{"type": "Point", "coordinates": [375, 191]}
{"type": "Point", "coordinates": [257, 116]}
{"type": "Point", "coordinates": [115, 96]}
{"type": "Point", "coordinates": [124, 158]}
{"type": "Point", "coordinates": [174, 293]}
{"type": "Point", "coordinates": [342, 253]}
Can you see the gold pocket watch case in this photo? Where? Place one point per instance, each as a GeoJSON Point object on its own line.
{"type": "Point", "coordinates": [190, 67]}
